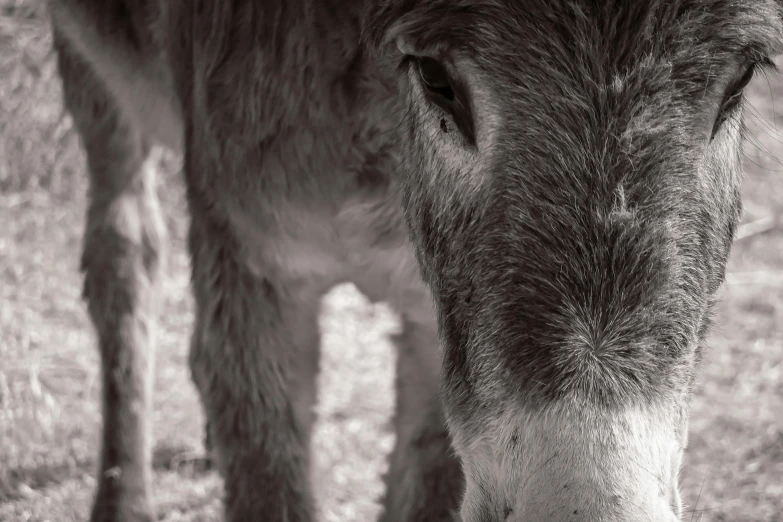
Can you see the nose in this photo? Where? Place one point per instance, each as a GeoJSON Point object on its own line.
{"type": "Point", "coordinates": [582, 503]}
{"type": "Point", "coordinates": [535, 512]}
{"type": "Point", "coordinates": [612, 484]}
{"type": "Point", "coordinates": [590, 495]}
{"type": "Point", "coordinates": [563, 465]}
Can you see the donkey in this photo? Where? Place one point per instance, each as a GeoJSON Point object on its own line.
{"type": "Point", "coordinates": [546, 192]}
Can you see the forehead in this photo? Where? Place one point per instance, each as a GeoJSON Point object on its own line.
{"type": "Point", "coordinates": [615, 65]}
{"type": "Point", "coordinates": [617, 32]}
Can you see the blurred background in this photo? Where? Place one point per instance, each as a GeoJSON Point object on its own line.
{"type": "Point", "coordinates": [49, 380]}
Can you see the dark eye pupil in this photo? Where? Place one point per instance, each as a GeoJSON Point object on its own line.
{"type": "Point", "coordinates": [435, 78]}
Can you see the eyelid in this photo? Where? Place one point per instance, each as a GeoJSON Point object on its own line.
{"type": "Point", "coordinates": [740, 82]}
{"type": "Point", "coordinates": [404, 47]}
{"type": "Point", "coordinates": [734, 88]}
{"type": "Point", "coordinates": [749, 68]}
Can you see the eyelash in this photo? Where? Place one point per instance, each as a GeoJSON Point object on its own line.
{"type": "Point", "coordinates": [735, 93]}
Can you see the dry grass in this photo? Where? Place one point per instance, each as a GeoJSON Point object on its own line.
{"type": "Point", "coordinates": [48, 375]}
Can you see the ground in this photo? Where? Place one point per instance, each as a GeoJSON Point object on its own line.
{"type": "Point", "coordinates": [49, 410]}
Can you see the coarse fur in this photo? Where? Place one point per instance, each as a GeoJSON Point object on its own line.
{"type": "Point", "coordinates": [558, 220]}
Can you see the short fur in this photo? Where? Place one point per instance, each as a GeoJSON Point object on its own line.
{"type": "Point", "coordinates": [571, 227]}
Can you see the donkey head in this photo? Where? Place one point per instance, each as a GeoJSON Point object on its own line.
{"type": "Point", "coordinates": [571, 181]}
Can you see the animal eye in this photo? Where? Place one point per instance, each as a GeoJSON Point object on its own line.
{"type": "Point", "coordinates": [733, 97]}
{"type": "Point", "coordinates": [447, 93]}
{"type": "Point", "coordinates": [435, 78]}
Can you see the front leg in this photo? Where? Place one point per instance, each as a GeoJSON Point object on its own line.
{"type": "Point", "coordinates": [254, 360]}
{"type": "Point", "coordinates": [425, 481]}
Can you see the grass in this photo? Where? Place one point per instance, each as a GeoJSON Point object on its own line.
{"type": "Point", "coordinates": [49, 416]}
